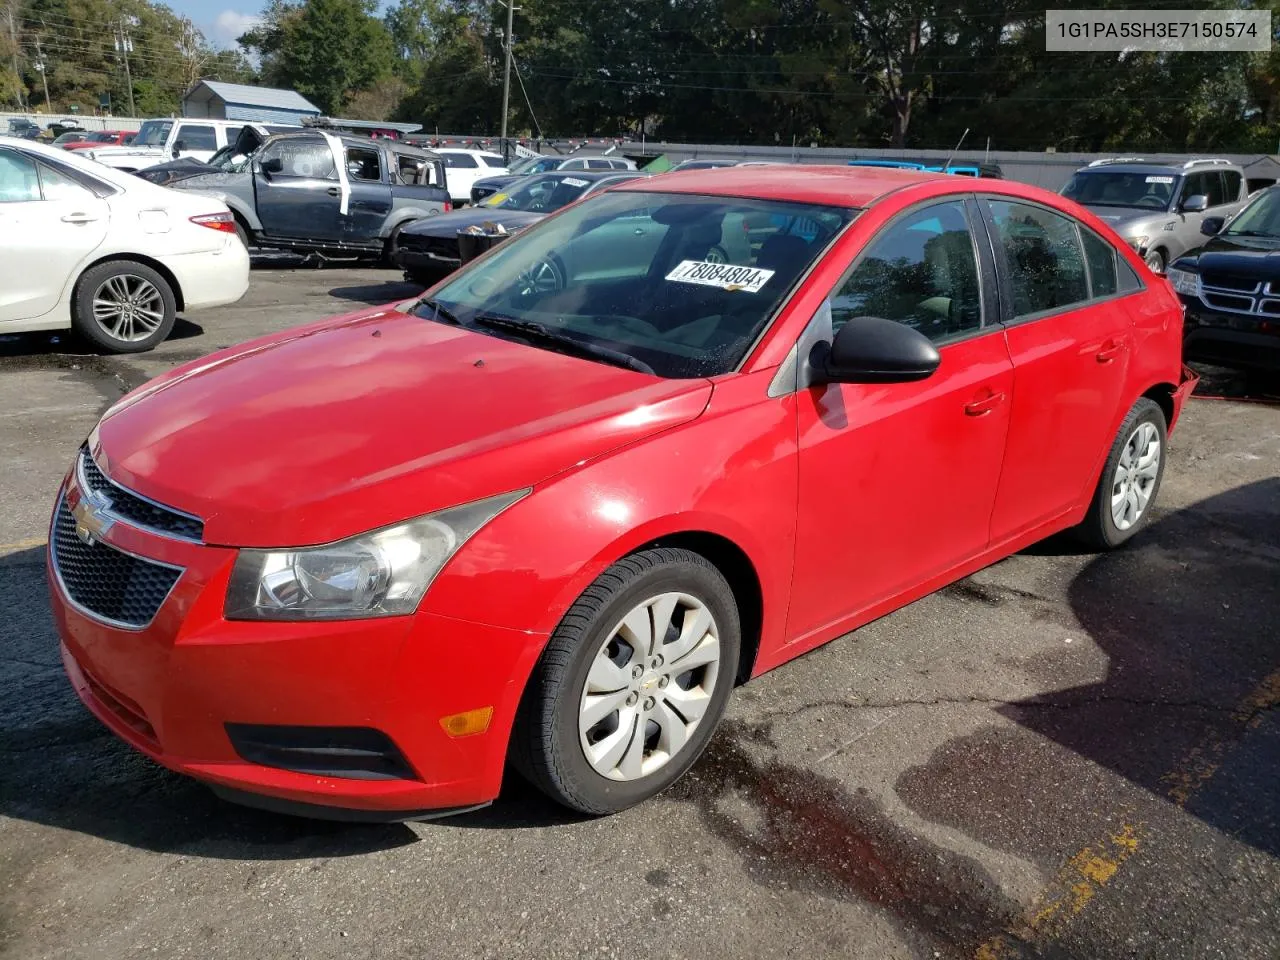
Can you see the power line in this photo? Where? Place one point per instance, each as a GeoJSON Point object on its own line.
{"type": "Point", "coordinates": [532, 115]}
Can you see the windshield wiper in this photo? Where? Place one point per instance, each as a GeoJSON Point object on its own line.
{"type": "Point", "coordinates": [1251, 233]}
{"type": "Point", "coordinates": [439, 311]}
{"type": "Point", "coordinates": [537, 331]}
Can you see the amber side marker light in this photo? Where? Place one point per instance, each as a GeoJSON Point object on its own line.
{"type": "Point", "coordinates": [468, 723]}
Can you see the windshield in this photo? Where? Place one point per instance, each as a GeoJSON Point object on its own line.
{"type": "Point", "coordinates": [101, 137]}
{"type": "Point", "coordinates": [1259, 219]}
{"type": "Point", "coordinates": [542, 195]}
{"type": "Point", "coordinates": [683, 284]}
{"type": "Point", "coordinates": [153, 133]}
{"type": "Point", "coordinates": [1148, 191]}
{"type": "Point", "coordinates": [228, 160]}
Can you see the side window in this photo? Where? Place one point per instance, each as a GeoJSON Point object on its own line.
{"type": "Point", "coordinates": [1232, 179]}
{"type": "Point", "coordinates": [491, 160]}
{"type": "Point", "coordinates": [18, 180]}
{"type": "Point", "coordinates": [1217, 188]}
{"type": "Point", "coordinates": [302, 158]}
{"type": "Point", "coordinates": [1196, 183]}
{"type": "Point", "coordinates": [233, 134]}
{"type": "Point", "coordinates": [459, 160]}
{"type": "Point", "coordinates": [364, 164]}
{"type": "Point", "coordinates": [197, 136]}
{"type": "Point", "coordinates": [574, 165]}
{"type": "Point", "coordinates": [921, 271]}
{"type": "Point", "coordinates": [599, 165]}
{"type": "Point", "coordinates": [1042, 250]}
{"type": "Point", "coordinates": [411, 169]}
{"type": "Point", "coordinates": [57, 186]}
{"type": "Point", "coordinates": [1101, 258]}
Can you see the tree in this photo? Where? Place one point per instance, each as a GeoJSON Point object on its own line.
{"type": "Point", "coordinates": [327, 50]}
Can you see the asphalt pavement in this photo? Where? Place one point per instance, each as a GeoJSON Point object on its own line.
{"type": "Point", "coordinates": [1063, 756]}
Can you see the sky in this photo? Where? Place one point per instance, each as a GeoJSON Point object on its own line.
{"type": "Point", "coordinates": [220, 22]}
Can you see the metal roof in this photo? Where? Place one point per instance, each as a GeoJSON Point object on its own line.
{"type": "Point", "coordinates": [245, 95]}
{"type": "Point", "coordinates": [340, 123]}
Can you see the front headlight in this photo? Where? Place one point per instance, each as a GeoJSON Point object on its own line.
{"type": "Point", "coordinates": [1138, 243]}
{"type": "Point", "coordinates": [1184, 281]}
{"type": "Point", "coordinates": [378, 574]}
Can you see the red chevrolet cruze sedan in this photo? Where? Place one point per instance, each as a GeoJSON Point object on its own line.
{"type": "Point", "coordinates": [666, 440]}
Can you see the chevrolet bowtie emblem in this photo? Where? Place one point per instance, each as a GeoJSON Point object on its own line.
{"type": "Point", "coordinates": [93, 516]}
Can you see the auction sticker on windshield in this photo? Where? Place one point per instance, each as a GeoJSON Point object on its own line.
{"type": "Point", "coordinates": [575, 182]}
{"type": "Point", "coordinates": [726, 276]}
{"type": "Point", "coordinates": [1159, 179]}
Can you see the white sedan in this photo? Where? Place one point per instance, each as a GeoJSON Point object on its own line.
{"type": "Point", "coordinates": [106, 253]}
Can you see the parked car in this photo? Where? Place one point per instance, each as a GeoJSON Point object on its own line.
{"type": "Point", "coordinates": [1157, 207]}
{"type": "Point", "coordinates": [160, 140]}
{"type": "Point", "coordinates": [291, 195]}
{"type": "Point", "coordinates": [1231, 288]}
{"type": "Point", "coordinates": [487, 186]}
{"type": "Point", "coordinates": [104, 253]}
{"type": "Point", "coordinates": [464, 167]}
{"type": "Point", "coordinates": [556, 523]}
{"type": "Point", "coordinates": [100, 138]}
{"type": "Point", "coordinates": [23, 128]}
{"type": "Point", "coordinates": [428, 249]}
{"type": "Point", "coordinates": [233, 158]}
{"type": "Point", "coordinates": [66, 139]}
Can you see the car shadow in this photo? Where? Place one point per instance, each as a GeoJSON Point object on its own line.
{"type": "Point", "coordinates": [377, 293]}
{"type": "Point", "coordinates": [68, 343]}
{"type": "Point", "coordinates": [1186, 614]}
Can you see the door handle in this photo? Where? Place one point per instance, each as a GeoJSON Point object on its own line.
{"type": "Point", "coordinates": [333, 191]}
{"type": "Point", "coordinates": [1109, 351]}
{"type": "Point", "coordinates": [984, 405]}
{"type": "Point", "coordinates": [79, 218]}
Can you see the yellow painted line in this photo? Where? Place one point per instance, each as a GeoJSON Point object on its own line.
{"type": "Point", "coordinates": [1087, 872]}
{"type": "Point", "coordinates": [21, 545]}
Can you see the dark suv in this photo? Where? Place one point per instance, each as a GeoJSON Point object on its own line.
{"type": "Point", "coordinates": [1156, 206]}
{"type": "Point", "coordinates": [1231, 288]}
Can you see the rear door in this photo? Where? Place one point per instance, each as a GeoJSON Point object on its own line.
{"type": "Point", "coordinates": [1069, 335]}
{"type": "Point", "coordinates": [370, 202]}
{"type": "Point", "coordinates": [50, 224]}
{"type": "Point", "coordinates": [302, 199]}
{"type": "Point", "coordinates": [897, 481]}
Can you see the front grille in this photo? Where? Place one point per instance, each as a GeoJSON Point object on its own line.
{"type": "Point", "coordinates": [445, 248]}
{"type": "Point", "coordinates": [1227, 301]}
{"type": "Point", "coordinates": [1227, 281]}
{"type": "Point", "coordinates": [105, 582]}
{"type": "Point", "coordinates": [136, 510]}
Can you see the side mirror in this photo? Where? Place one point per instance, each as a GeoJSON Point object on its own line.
{"type": "Point", "coordinates": [178, 147]}
{"type": "Point", "coordinates": [1195, 204]}
{"type": "Point", "coordinates": [875, 350]}
{"type": "Point", "coordinates": [1212, 226]}
{"type": "Point", "coordinates": [271, 166]}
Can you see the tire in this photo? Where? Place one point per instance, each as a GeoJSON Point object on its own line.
{"type": "Point", "coordinates": [1155, 261]}
{"type": "Point", "coordinates": [421, 277]}
{"type": "Point", "coordinates": [554, 726]}
{"type": "Point", "coordinates": [242, 234]}
{"type": "Point", "coordinates": [393, 240]}
{"type": "Point", "coordinates": [1101, 529]}
{"type": "Point", "coordinates": [137, 330]}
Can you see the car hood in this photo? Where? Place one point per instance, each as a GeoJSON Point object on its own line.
{"type": "Point", "coordinates": [1118, 218]}
{"type": "Point", "coordinates": [207, 181]}
{"type": "Point", "coordinates": [119, 151]}
{"type": "Point", "coordinates": [448, 224]}
{"type": "Point", "coordinates": [499, 181]}
{"type": "Point", "coordinates": [1245, 257]}
{"type": "Point", "coordinates": [347, 425]}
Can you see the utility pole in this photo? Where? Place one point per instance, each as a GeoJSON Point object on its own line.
{"type": "Point", "coordinates": [506, 78]}
{"type": "Point", "coordinates": [13, 36]}
{"type": "Point", "coordinates": [44, 75]}
{"type": "Point", "coordinates": [124, 46]}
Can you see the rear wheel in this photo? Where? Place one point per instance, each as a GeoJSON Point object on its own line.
{"type": "Point", "coordinates": [1155, 261]}
{"type": "Point", "coordinates": [242, 234]}
{"type": "Point", "coordinates": [1130, 479]}
{"type": "Point", "coordinates": [632, 684]}
{"type": "Point", "coordinates": [123, 307]}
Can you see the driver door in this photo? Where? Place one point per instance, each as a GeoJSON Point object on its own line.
{"type": "Point", "coordinates": [301, 200]}
{"type": "Point", "coordinates": [898, 481]}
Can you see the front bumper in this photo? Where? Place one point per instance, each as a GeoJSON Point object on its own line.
{"type": "Point", "coordinates": [170, 689]}
{"type": "Point", "coordinates": [1237, 340]}
{"type": "Point", "coordinates": [426, 261]}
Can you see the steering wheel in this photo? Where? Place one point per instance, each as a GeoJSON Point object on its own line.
{"type": "Point", "coordinates": [1151, 200]}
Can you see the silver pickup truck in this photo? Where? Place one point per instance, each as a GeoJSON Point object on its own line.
{"type": "Point", "coordinates": [290, 193]}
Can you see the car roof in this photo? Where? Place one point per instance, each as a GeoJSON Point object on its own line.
{"type": "Point", "coordinates": [841, 186]}
{"type": "Point", "coordinates": [350, 140]}
{"type": "Point", "coordinates": [582, 174]}
{"type": "Point", "coordinates": [1173, 170]}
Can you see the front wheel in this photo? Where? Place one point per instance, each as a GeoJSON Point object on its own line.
{"type": "Point", "coordinates": [1155, 261]}
{"type": "Point", "coordinates": [122, 306]}
{"type": "Point", "coordinates": [1130, 480]}
{"type": "Point", "coordinates": [632, 683]}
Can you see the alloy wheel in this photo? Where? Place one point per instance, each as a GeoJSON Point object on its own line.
{"type": "Point", "coordinates": [1135, 477]}
{"type": "Point", "coordinates": [649, 686]}
{"type": "Point", "coordinates": [128, 307]}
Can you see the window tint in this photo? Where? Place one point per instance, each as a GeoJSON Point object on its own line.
{"type": "Point", "coordinates": [18, 180]}
{"type": "Point", "coordinates": [1217, 188]}
{"type": "Point", "coordinates": [459, 160]}
{"type": "Point", "coordinates": [491, 160]}
{"type": "Point", "coordinates": [1101, 257]}
{"type": "Point", "coordinates": [302, 158]}
{"type": "Point", "coordinates": [599, 165]}
{"type": "Point", "coordinates": [364, 164]}
{"type": "Point", "coordinates": [574, 165]}
{"type": "Point", "coordinates": [1206, 182]}
{"type": "Point", "coordinates": [1104, 188]}
{"type": "Point", "coordinates": [197, 137]}
{"type": "Point", "coordinates": [1232, 180]}
{"type": "Point", "coordinates": [58, 186]}
{"type": "Point", "coordinates": [1042, 249]}
{"type": "Point", "coordinates": [920, 271]}
{"type": "Point", "coordinates": [233, 134]}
